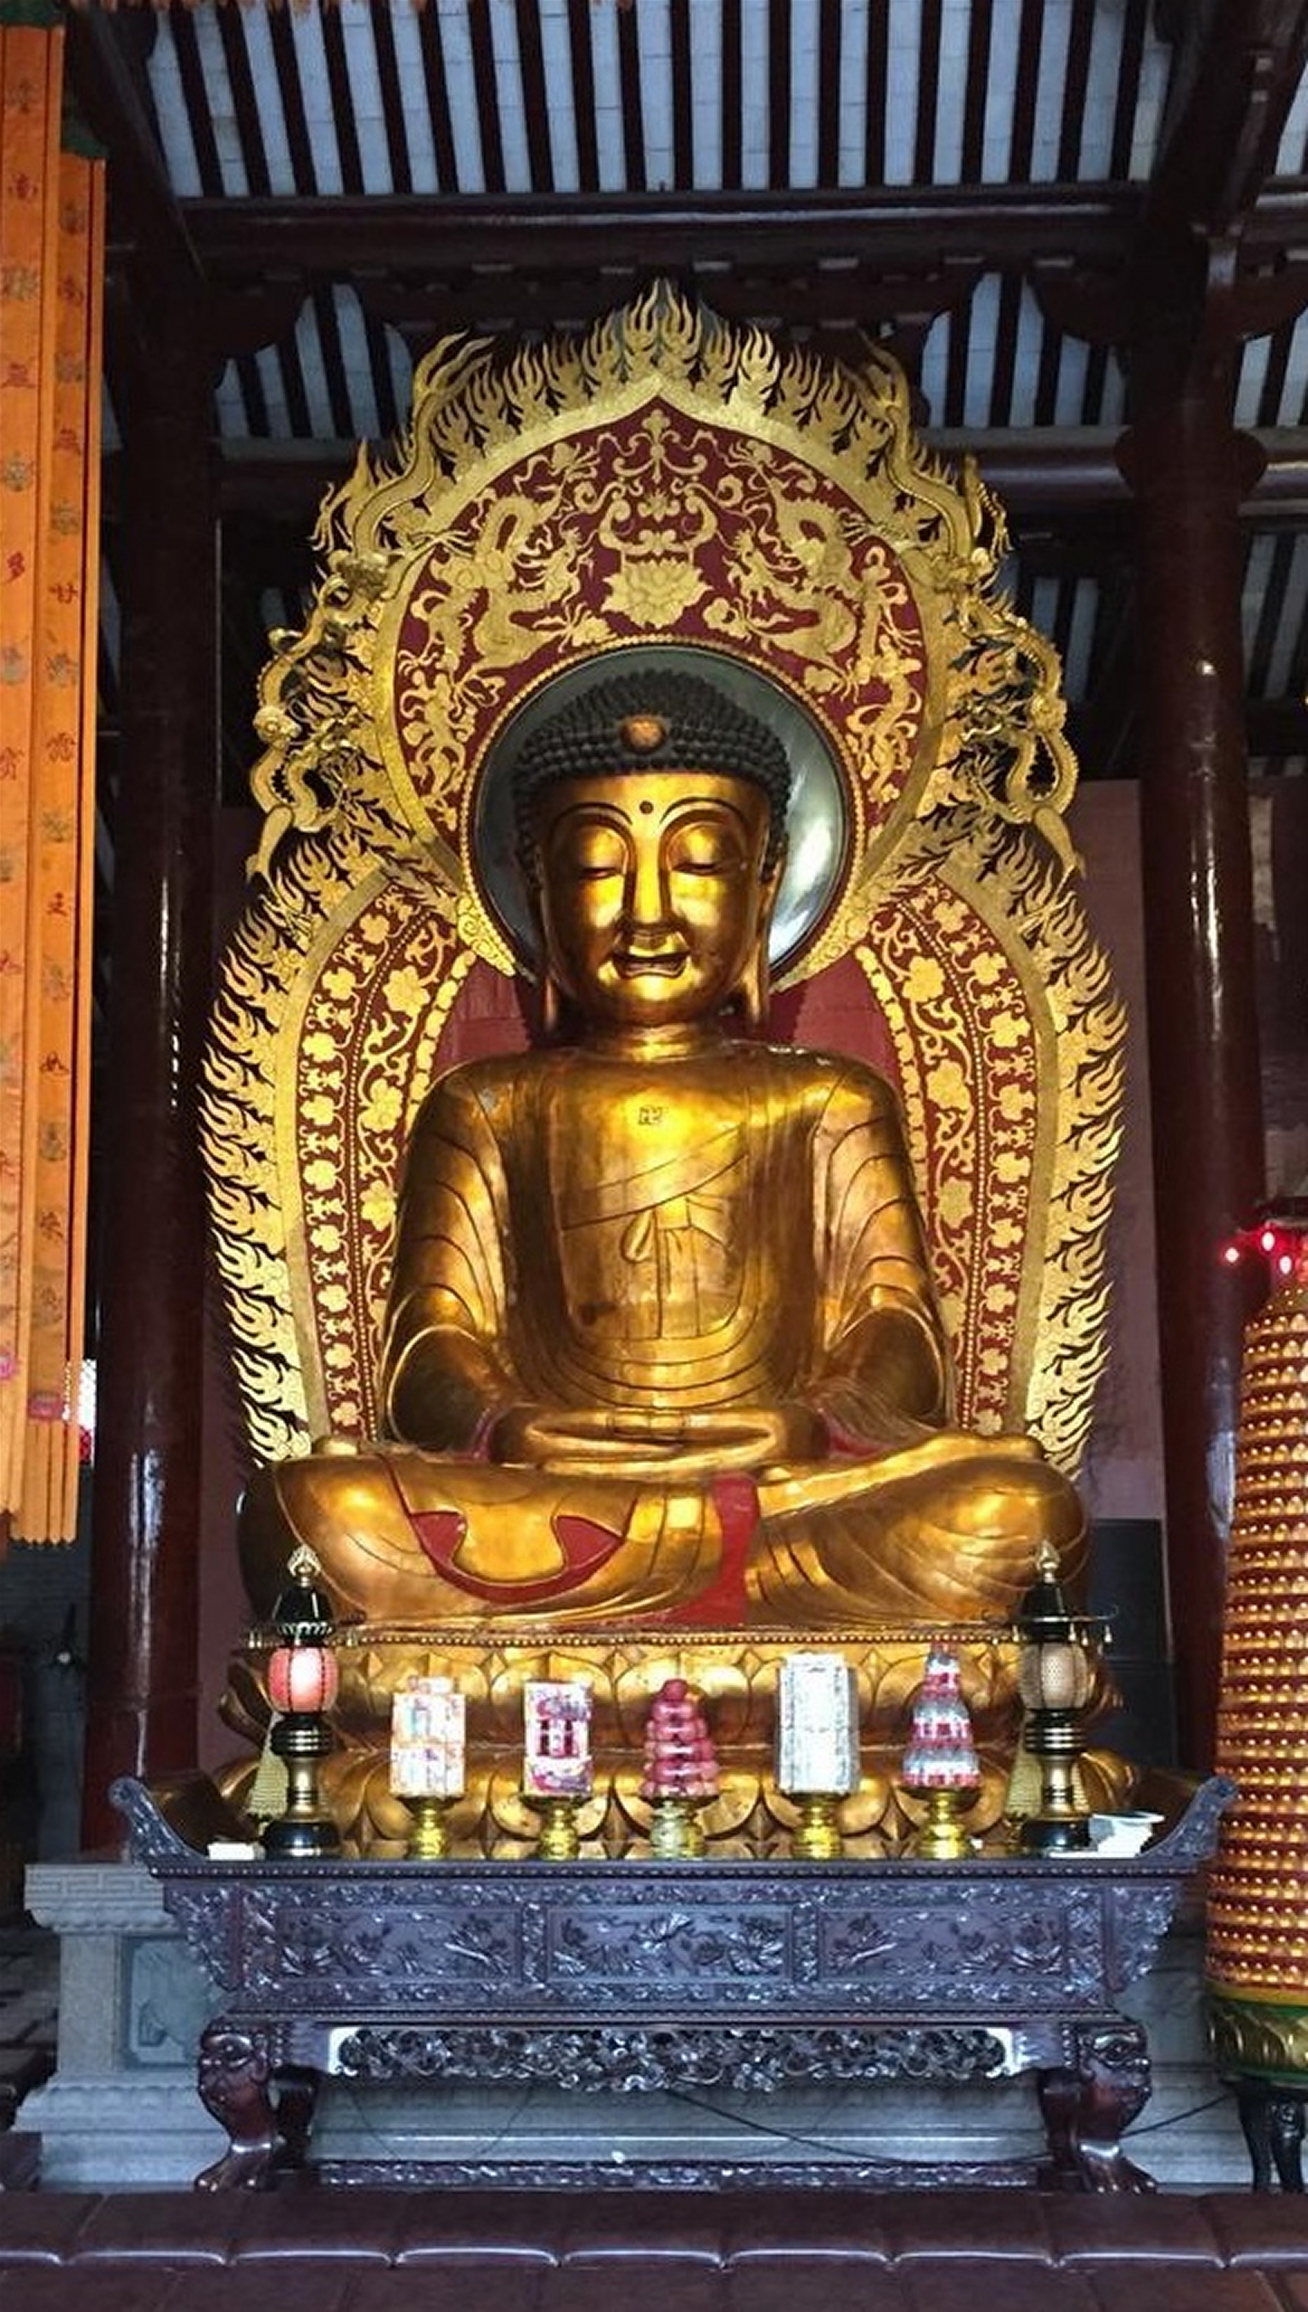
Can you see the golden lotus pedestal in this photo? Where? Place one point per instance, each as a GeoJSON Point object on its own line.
{"type": "Point", "coordinates": [735, 1671]}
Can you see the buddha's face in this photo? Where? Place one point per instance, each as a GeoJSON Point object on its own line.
{"type": "Point", "coordinates": [652, 895]}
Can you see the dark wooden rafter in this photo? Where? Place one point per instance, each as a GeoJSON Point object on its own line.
{"type": "Point", "coordinates": [1135, 20]}
{"type": "Point", "coordinates": [1026, 90]}
{"type": "Point", "coordinates": [1275, 373]}
{"type": "Point", "coordinates": [338, 81]}
{"type": "Point", "coordinates": [1238, 65]}
{"type": "Point", "coordinates": [1098, 358]}
{"type": "Point", "coordinates": [294, 386]}
{"type": "Point", "coordinates": [830, 45]}
{"type": "Point", "coordinates": [1076, 80]}
{"type": "Point", "coordinates": [389, 413]}
{"type": "Point", "coordinates": [1069, 596]}
{"type": "Point", "coordinates": [1263, 639]}
{"type": "Point", "coordinates": [240, 79]}
{"type": "Point", "coordinates": [780, 93]}
{"type": "Point", "coordinates": [1046, 394]}
{"type": "Point", "coordinates": [876, 85]}
{"type": "Point", "coordinates": [632, 101]}
{"type": "Point", "coordinates": [1001, 387]}
{"type": "Point", "coordinates": [333, 362]}
{"type": "Point", "coordinates": [388, 81]}
{"type": "Point", "coordinates": [583, 94]}
{"type": "Point", "coordinates": [732, 82]}
{"type": "Point", "coordinates": [977, 88]}
{"type": "Point", "coordinates": [1102, 729]}
{"type": "Point", "coordinates": [928, 93]}
{"type": "Point", "coordinates": [957, 334]}
{"type": "Point", "coordinates": [681, 40]}
{"type": "Point", "coordinates": [1296, 679]}
{"type": "Point", "coordinates": [437, 91]}
{"type": "Point", "coordinates": [482, 36]}
{"type": "Point", "coordinates": [290, 92]}
{"type": "Point", "coordinates": [535, 96]}
{"type": "Point", "coordinates": [199, 116]}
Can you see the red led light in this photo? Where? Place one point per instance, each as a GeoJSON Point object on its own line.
{"type": "Point", "coordinates": [1280, 1238]}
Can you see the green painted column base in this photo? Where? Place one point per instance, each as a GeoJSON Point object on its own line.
{"type": "Point", "coordinates": [1259, 2034]}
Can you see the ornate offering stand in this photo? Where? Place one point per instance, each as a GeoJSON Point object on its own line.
{"type": "Point", "coordinates": [641, 1975]}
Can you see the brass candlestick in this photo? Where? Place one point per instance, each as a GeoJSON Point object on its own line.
{"type": "Point", "coordinates": [429, 1840]}
{"type": "Point", "coordinates": [941, 1836]}
{"type": "Point", "coordinates": [816, 1836]}
{"type": "Point", "coordinates": [676, 1833]}
{"type": "Point", "coordinates": [558, 1839]}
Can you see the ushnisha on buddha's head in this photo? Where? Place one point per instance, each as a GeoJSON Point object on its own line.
{"type": "Point", "coordinates": [651, 831]}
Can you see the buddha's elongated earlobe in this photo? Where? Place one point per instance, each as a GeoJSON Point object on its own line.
{"type": "Point", "coordinates": [550, 1005]}
{"type": "Point", "coordinates": [755, 990]}
{"type": "Point", "coordinates": [756, 987]}
{"type": "Point", "coordinates": [549, 1002]}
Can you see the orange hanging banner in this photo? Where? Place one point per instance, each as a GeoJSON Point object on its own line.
{"type": "Point", "coordinates": [51, 258]}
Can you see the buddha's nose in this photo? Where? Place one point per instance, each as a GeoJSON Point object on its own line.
{"type": "Point", "coordinates": [647, 898]}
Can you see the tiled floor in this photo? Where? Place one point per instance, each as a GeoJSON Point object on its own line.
{"type": "Point", "coordinates": [29, 1991]}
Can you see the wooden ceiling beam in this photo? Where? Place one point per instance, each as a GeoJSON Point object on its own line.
{"type": "Point", "coordinates": [912, 230]}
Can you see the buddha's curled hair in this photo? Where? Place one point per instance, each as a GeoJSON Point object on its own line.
{"type": "Point", "coordinates": [650, 722]}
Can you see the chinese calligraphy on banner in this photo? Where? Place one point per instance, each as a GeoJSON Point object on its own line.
{"type": "Point", "coordinates": [51, 253]}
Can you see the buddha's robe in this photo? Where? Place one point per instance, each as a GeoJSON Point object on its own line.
{"type": "Point", "coordinates": [663, 1260]}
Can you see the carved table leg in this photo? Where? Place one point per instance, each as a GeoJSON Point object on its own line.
{"type": "Point", "coordinates": [1087, 2104]}
{"type": "Point", "coordinates": [1273, 2121]}
{"type": "Point", "coordinates": [235, 2080]}
{"type": "Point", "coordinates": [297, 2103]}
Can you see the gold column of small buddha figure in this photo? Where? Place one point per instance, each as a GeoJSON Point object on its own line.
{"type": "Point", "coordinates": [662, 1346]}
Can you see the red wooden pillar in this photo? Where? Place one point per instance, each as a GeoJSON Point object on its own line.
{"type": "Point", "coordinates": [1189, 469]}
{"type": "Point", "coordinates": [143, 1636]}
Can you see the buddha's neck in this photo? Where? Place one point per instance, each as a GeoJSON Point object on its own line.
{"type": "Point", "coordinates": [692, 1040]}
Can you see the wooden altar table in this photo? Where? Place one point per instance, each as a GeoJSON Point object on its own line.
{"type": "Point", "coordinates": [641, 1974]}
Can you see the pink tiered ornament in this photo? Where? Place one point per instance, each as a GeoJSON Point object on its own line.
{"type": "Point", "coordinates": [681, 1770]}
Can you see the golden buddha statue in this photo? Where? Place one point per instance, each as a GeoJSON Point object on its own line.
{"type": "Point", "coordinates": [662, 1347]}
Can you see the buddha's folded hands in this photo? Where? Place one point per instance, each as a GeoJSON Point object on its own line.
{"type": "Point", "coordinates": [637, 1441]}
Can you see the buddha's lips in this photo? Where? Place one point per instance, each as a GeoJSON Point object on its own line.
{"type": "Point", "coordinates": [667, 964]}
